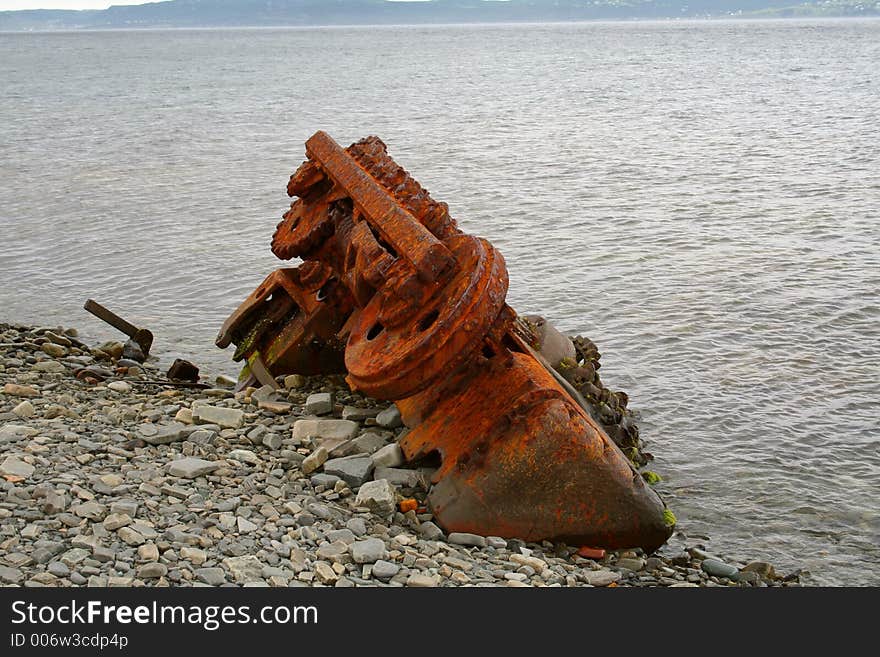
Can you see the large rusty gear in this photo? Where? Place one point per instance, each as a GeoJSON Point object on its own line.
{"type": "Point", "coordinates": [420, 309]}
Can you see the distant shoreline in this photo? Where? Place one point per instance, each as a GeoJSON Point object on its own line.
{"type": "Point", "coordinates": [488, 24]}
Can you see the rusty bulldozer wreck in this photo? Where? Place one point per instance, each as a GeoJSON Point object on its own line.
{"type": "Point", "coordinates": [391, 292]}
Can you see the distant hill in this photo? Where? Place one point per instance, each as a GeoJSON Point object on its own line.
{"type": "Point", "coordinates": [213, 13]}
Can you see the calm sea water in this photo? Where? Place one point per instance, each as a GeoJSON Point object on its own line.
{"type": "Point", "coordinates": [701, 199]}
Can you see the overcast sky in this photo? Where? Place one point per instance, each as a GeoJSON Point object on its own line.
{"type": "Point", "coordinates": [6, 5]}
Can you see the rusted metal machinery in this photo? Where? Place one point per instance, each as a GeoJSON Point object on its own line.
{"type": "Point", "coordinates": [391, 292]}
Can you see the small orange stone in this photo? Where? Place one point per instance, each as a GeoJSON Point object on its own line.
{"type": "Point", "coordinates": [408, 505]}
{"type": "Point", "coordinates": [591, 553]}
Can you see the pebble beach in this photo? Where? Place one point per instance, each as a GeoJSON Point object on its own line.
{"type": "Point", "coordinates": [111, 475]}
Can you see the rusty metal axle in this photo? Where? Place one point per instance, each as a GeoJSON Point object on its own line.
{"type": "Point", "coordinates": [413, 310]}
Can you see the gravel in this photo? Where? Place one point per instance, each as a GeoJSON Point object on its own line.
{"type": "Point", "coordinates": [111, 481]}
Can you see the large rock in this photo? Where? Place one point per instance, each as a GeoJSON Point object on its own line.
{"type": "Point", "coordinates": [599, 577]}
{"type": "Point", "coordinates": [353, 471]}
{"type": "Point", "coordinates": [319, 403]}
{"type": "Point", "coordinates": [164, 434]}
{"type": "Point", "coordinates": [244, 569]}
{"type": "Point", "coordinates": [191, 467]}
{"type": "Point", "coordinates": [379, 496]}
{"type": "Point", "coordinates": [367, 551]}
{"type": "Point", "coordinates": [228, 418]}
{"type": "Point", "coordinates": [389, 418]}
{"type": "Point", "coordinates": [366, 443]}
{"type": "Point", "coordinates": [389, 456]}
{"type": "Point", "coordinates": [90, 510]}
{"type": "Point", "coordinates": [14, 467]}
{"type": "Point", "coordinates": [324, 430]}
{"type": "Point", "coordinates": [385, 570]}
{"type": "Point", "coordinates": [718, 568]}
{"type": "Point", "coordinates": [264, 393]}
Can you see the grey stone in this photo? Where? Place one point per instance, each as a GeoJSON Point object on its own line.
{"type": "Point", "coordinates": [385, 570]}
{"type": "Point", "coordinates": [228, 418]}
{"type": "Point", "coordinates": [342, 535]}
{"type": "Point", "coordinates": [379, 496]}
{"type": "Point", "coordinates": [53, 503]}
{"type": "Point", "coordinates": [201, 436]}
{"type": "Point", "coordinates": [77, 579]}
{"type": "Point", "coordinates": [245, 526]}
{"type": "Point", "coordinates": [496, 542]}
{"type": "Point", "coordinates": [429, 531]}
{"type": "Point", "coordinates": [718, 568]}
{"type": "Point", "coordinates": [164, 434]}
{"type": "Point", "coordinates": [325, 480]}
{"type": "Point", "coordinates": [389, 418]}
{"type": "Point", "coordinates": [245, 456]}
{"type": "Point", "coordinates": [357, 526]}
{"type": "Point", "coordinates": [272, 441]}
{"type": "Point", "coordinates": [74, 556]}
{"type": "Point", "coordinates": [116, 520]}
{"type": "Point", "coordinates": [332, 551]}
{"type": "Point", "coordinates": [90, 510]}
{"type": "Point", "coordinates": [264, 393]}
{"type": "Point", "coordinates": [389, 456]}
{"type": "Point", "coordinates": [369, 550]}
{"type": "Point", "coordinates": [10, 575]}
{"type": "Point", "coordinates": [366, 443]}
{"type": "Point", "coordinates": [319, 510]}
{"type": "Point", "coordinates": [358, 414]}
{"type": "Point", "coordinates": [58, 569]}
{"type": "Point", "coordinates": [102, 554]}
{"type": "Point", "coordinates": [634, 564]}
{"type": "Point", "coordinates": [152, 570]}
{"type": "Point", "coordinates": [337, 431]}
{"type": "Point", "coordinates": [191, 467]}
{"type": "Point", "coordinates": [653, 563]}
{"type": "Point", "coordinates": [353, 471]}
{"type": "Point", "coordinates": [401, 477]}
{"type": "Point", "coordinates": [244, 569]}
{"type": "Point", "coordinates": [50, 367]}
{"type": "Point", "coordinates": [131, 536]}
{"type": "Point", "coordinates": [14, 467]}
{"type": "Point", "coordinates": [124, 507]}
{"type": "Point", "coordinates": [119, 386]}
{"type": "Point", "coordinates": [319, 403]}
{"type": "Point", "coordinates": [600, 577]}
{"type": "Point", "coordinates": [211, 576]}
{"type": "Point", "coordinates": [419, 580]}
{"type": "Point", "coordinates": [314, 460]}
{"type": "Point", "coordinates": [462, 538]}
